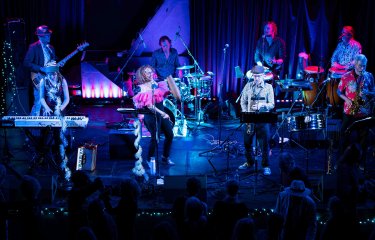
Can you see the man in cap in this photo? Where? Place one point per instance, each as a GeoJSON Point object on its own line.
{"type": "Point", "coordinates": [346, 50]}
{"type": "Point", "coordinates": [39, 54]}
{"type": "Point", "coordinates": [257, 96]}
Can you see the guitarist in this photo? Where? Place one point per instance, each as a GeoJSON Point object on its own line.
{"type": "Point", "coordinates": [38, 55]}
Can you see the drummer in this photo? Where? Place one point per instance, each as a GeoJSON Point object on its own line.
{"type": "Point", "coordinates": [165, 60]}
{"type": "Point", "coordinates": [343, 57]}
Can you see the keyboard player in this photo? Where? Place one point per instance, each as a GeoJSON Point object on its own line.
{"type": "Point", "coordinates": [54, 98]}
{"type": "Point", "coordinates": [257, 96]}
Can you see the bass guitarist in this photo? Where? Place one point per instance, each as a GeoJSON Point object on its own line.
{"type": "Point", "coordinates": [38, 55]}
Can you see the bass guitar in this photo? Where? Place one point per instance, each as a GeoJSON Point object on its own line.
{"type": "Point", "coordinates": [36, 77]}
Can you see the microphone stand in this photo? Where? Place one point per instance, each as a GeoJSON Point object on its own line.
{"type": "Point", "coordinates": [191, 55]}
{"type": "Point", "coordinates": [196, 66]}
{"type": "Point", "coordinates": [219, 146]}
{"type": "Point", "coordinates": [157, 173]}
{"type": "Point", "coordinates": [127, 61]}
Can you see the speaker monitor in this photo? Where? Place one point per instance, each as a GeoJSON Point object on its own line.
{"type": "Point", "coordinates": [175, 186]}
{"type": "Point", "coordinates": [121, 145]}
{"type": "Point", "coordinates": [12, 185]}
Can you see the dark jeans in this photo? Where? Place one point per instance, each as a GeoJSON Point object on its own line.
{"type": "Point", "coordinates": [346, 137]}
{"type": "Point", "coordinates": [164, 126]}
{"type": "Point", "coordinates": [261, 132]}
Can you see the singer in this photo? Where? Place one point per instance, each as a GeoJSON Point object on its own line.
{"type": "Point", "coordinates": [257, 96]}
{"type": "Point", "coordinates": [151, 94]}
{"type": "Point", "coordinates": [38, 55]}
{"type": "Point", "coordinates": [346, 50]}
{"type": "Point", "coordinates": [165, 59]}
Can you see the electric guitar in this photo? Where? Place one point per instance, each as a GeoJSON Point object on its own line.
{"type": "Point", "coordinates": [36, 77]}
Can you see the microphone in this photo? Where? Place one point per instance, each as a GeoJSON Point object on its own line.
{"type": "Point", "coordinates": [143, 41]}
{"type": "Point", "coordinates": [325, 81]}
{"type": "Point", "coordinates": [154, 85]}
{"type": "Point", "coordinates": [226, 46]}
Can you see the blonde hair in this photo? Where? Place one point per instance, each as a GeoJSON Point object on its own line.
{"type": "Point", "coordinates": [141, 75]}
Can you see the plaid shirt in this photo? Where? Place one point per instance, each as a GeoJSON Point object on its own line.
{"type": "Point", "coordinates": [257, 94]}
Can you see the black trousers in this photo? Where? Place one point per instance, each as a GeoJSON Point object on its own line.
{"type": "Point", "coordinates": [261, 132]}
{"type": "Point", "coordinates": [358, 135]}
{"type": "Point", "coordinates": [161, 126]}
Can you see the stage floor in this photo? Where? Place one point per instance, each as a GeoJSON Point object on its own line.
{"type": "Point", "coordinates": [212, 150]}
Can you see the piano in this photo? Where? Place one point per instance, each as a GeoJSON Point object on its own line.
{"type": "Point", "coordinates": [44, 121]}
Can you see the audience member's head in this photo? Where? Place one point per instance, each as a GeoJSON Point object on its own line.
{"type": "Point", "coordinates": [244, 229]}
{"type": "Point", "coordinates": [30, 187]}
{"type": "Point", "coordinates": [130, 188]}
{"type": "Point", "coordinates": [164, 231]}
{"type": "Point", "coordinates": [274, 225]}
{"type": "Point", "coordinates": [286, 162]}
{"type": "Point", "coordinates": [193, 186]}
{"type": "Point", "coordinates": [232, 187]}
{"type": "Point", "coordinates": [335, 206]}
{"type": "Point", "coordinates": [86, 233]}
{"type": "Point", "coordinates": [194, 209]}
{"type": "Point", "coordinates": [80, 179]}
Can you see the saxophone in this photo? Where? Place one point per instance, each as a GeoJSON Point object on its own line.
{"type": "Point", "coordinates": [357, 101]}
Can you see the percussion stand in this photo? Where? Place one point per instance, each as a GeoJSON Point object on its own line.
{"type": "Point", "coordinates": [290, 138]}
{"type": "Point", "coordinates": [283, 120]}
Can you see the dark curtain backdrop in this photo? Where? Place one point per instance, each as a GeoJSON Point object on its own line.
{"type": "Point", "coordinates": [305, 25]}
{"type": "Point", "coordinates": [65, 18]}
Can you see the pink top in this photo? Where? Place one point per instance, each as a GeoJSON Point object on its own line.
{"type": "Point", "coordinates": [144, 98]}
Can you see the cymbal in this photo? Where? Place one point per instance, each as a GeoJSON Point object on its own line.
{"type": "Point", "coordinates": [205, 78]}
{"type": "Point", "coordinates": [185, 67]}
{"type": "Point", "coordinates": [193, 75]}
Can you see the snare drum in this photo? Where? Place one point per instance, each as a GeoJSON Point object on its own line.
{"type": "Point", "coordinates": [306, 122]}
{"type": "Point", "coordinates": [205, 86]}
{"type": "Point", "coordinates": [312, 73]}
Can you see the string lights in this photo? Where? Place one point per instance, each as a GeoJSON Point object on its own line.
{"type": "Point", "coordinates": [8, 85]}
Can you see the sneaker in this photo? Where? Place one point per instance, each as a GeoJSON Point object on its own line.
{"type": "Point", "coordinates": [245, 166]}
{"type": "Point", "coordinates": [167, 161]}
{"type": "Point", "coordinates": [267, 171]}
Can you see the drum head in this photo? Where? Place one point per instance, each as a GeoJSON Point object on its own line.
{"type": "Point", "coordinates": [314, 69]}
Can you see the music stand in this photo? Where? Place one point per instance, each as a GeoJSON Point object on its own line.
{"type": "Point", "coordinates": [256, 118]}
{"type": "Point", "coordinates": [363, 123]}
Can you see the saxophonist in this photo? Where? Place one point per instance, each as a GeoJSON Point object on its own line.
{"type": "Point", "coordinates": [355, 89]}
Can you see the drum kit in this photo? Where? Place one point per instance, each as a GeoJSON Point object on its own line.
{"type": "Point", "coordinates": [193, 87]}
